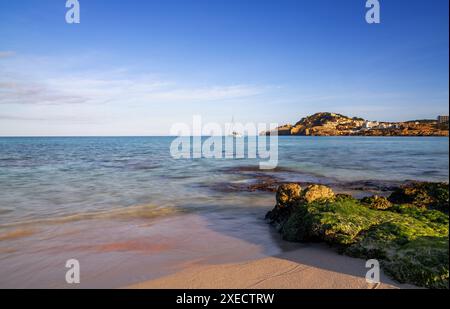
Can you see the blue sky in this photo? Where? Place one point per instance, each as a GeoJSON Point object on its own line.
{"type": "Point", "coordinates": [136, 67]}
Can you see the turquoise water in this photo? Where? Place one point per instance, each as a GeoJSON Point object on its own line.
{"type": "Point", "coordinates": [129, 212]}
{"type": "Point", "coordinates": [52, 177]}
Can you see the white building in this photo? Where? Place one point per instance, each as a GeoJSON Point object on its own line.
{"type": "Point", "coordinates": [370, 124]}
{"type": "Point", "coordinates": [442, 119]}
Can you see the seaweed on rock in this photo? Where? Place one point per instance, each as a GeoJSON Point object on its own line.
{"type": "Point", "coordinates": [410, 240]}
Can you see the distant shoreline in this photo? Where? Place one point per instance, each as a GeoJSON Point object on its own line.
{"type": "Point", "coordinates": [205, 136]}
{"type": "Point", "coordinates": [333, 124]}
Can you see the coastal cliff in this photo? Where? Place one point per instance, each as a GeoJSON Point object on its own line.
{"type": "Point", "coordinates": [332, 124]}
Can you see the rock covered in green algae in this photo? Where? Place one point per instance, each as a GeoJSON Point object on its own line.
{"type": "Point", "coordinates": [317, 192]}
{"type": "Point", "coordinates": [411, 242]}
{"type": "Point", "coordinates": [287, 193]}
{"type": "Point", "coordinates": [343, 196]}
{"type": "Point", "coordinates": [286, 196]}
{"type": "Point", "coordinates": [377, 202]}
{"type": "Point", "coordinates": [423, 194]}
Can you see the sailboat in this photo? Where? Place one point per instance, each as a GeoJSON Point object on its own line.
{"type": "Point", "coordinates": [234, 133]}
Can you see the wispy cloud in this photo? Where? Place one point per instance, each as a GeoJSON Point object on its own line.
{"type": "Point", "coordinates": [44, 95]}
{"type": "Point", "coordinates": [60, 119]}
{"type": "Point", "coordinates": [6, 54]}
{"type": "Point", "coordinates": [19, 86]}
{"type": "Point", "coordinates": [18, 92]}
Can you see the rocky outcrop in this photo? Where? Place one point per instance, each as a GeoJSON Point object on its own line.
{"type": "Point", "coordinates": [423, 194]}
{"type": "Point", "coordinates": [333, 124]}
{"type": "Point", "coordinates": [410, 240]}
{"type": "Point", "coordinates": [376, 202]}
{"type": "Point", "coordinates": [317, 192]}
{"type": "Point", "coordinates": [322, 124]}
{"type": "Point", "coordinates": [287, 193]}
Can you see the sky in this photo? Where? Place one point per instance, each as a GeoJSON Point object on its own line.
{"type": "Point", "coordinates": [138, 67]}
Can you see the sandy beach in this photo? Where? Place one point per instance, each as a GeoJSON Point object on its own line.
{"type": "Point", "coordinates": [305, 266]}
{"type": "Point", "coordinates": [180, 251]}
{"type": "Point", "coordinates": [312, 267]}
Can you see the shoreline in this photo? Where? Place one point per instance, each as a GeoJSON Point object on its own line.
{"type": "Point", "coordinates": [308, 267]}
{"type": "Point", "coordinates": [229, 247]}
{"type": "Point", "coordinates": [406, 234]}
{"type": "Point", "coordinates": [181, 251]}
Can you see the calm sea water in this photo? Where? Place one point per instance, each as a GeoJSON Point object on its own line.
{"type": "Point", "coordinates": [42, 178]}
{"type": "Point", "coordinates": [129, 212]}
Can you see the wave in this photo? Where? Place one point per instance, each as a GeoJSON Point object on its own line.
{"type": "Point", "coordinates": [18, 233]}
{"type": "Point", "coordinates": [132, 212]}
{"type": "Point", "coordinates": [5, 211]}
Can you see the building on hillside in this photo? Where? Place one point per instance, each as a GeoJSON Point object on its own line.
{"type": "Point", "coordinates": [385, 125]}
{"type": "Point", "coordinates": [442, 119]}
{"type": "Point", "coordinates": [370, 124]}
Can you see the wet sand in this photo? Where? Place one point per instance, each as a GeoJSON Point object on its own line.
{"type": "Point", "coordinates": [311, 267]}
{"type": "Point", "coordinates": [221, 248]}
{"type": "Point", "coordinates": [264, 262]}
{"type": "Point", "coordinates": [116, 252]}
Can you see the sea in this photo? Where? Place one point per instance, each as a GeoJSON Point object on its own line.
{"type": "Point", "coordinates": [129, 211]}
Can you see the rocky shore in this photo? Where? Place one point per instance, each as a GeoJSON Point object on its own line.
{"type": "Point", "coordinates": [406, 231]}
{"type": "Point", "coordinates": [257, 180]}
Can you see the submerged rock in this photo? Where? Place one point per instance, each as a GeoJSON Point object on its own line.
{"type": "Point", "coordinates": [410, 240]}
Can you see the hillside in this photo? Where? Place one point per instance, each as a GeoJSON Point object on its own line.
{"type": "Point", "coordinates": [332, 124]}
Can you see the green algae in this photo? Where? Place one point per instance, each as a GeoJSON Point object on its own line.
{"type": "Point", "coordinates": [410, 240]}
